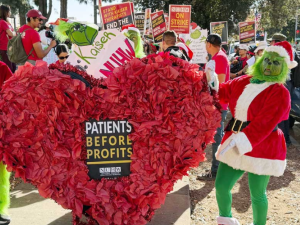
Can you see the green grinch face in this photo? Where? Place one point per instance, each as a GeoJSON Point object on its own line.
{"type": "Point", "coordinates": [272, 64]}
{"type": "Point", "coordinates": [133, 36]}
{"type": "Point", "coordinates": [271, 67]}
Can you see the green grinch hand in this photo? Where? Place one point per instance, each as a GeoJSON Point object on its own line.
{"type": "Point", "coordinates": [135, 37]}
{"type": "Point", "coordinates": [203, 39]}
{"type": "Point", "coordinates": [82, 34]}
{"type": "Point", "coordinates": [196, 34]}
{"type": "Point", "coordinates": [188, 42]}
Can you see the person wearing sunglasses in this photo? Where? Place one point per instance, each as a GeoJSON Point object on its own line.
{"type": "Point", "coordinates": [62, 53]}
{"type": "Point", "coordinates": [31, 39]}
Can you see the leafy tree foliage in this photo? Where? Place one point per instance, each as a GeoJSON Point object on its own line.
{"type": "Point", "coordinates": [204, 12]}
{"type": "Point", "coordinates": [279, 16]}
{"type": "Point", "coordinates": [18, 7]}
{"type": "Point", "coordinates": [45, 6]}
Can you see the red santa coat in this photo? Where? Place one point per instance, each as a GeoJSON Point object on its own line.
{"type": "Point", "coordinates": [259, 149]}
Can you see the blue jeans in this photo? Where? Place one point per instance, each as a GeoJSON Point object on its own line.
{"type": "Point", "coordinates": [218, 138]}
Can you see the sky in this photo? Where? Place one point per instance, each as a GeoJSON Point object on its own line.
{"type": "Point", "coordinates": [82, 12]}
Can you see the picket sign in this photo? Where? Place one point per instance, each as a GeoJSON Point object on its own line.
{"type": "Point", "coordinates": [109, 50]}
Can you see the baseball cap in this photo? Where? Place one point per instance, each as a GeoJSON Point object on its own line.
{"type": "Point", "coordinates": [278, 37]}
{"type": "Point", "coordinates": [214, 39]}
{"type": "Point", "coordinates": [244, 47]}
{"type": "Point", "coordinates": [261, 45]}
{"type": "Point", "coordinates": [35, 13]}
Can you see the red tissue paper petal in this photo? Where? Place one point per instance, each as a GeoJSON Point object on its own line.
{"type": "Point", "coordinates": [167, 101]}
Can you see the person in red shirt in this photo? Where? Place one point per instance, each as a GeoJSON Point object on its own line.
{"type": "Point", "coordinates": [213, 47]}
{"type": "Point", "coordinates": [6, 32]}
{"type": "Point", "coordinates": [62, 53]}
{"type": "Point", "coordinates": [31, 39]}
{"type": "Point", "coordinates": [243, 57]}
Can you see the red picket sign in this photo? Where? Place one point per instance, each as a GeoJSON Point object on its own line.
{"type": "Point", "coordinates": [158, 25]}
{"type": "Point", "coordinates": [180, 18]}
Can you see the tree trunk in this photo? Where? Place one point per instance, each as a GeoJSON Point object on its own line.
{"type": "Point", "coordinates": [22, 13]}
{"type": "Point", "coordinates": [63, 9]}
{"type": "Point", "coordinates": [95, 11]}
{"type": "Point", "coordinates": [50, 9]}
{"type": "Point", "coordinates": [43, 8]}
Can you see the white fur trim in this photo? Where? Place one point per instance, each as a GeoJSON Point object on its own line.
{"type": "Point", "coordinates": [124, 31]}
{"type": "Point", "coordinates": [181, 45]}
{"type": "Point", "coordinates": [134, 29]}
{"type": "Point", "coordinates": [278, 49]}
{"type": "Point", "coordinates": [242, 143]}
{"type": "Point", "coordinates": [250, 164]}
{"type": "Point", "coordinates": [250, 92]}
{"type": "Point", "coordinates": [282, 52]}
{"type": "Point", "coordinates": [292, 64]}
{"type": "Point", "coordinates": [227, 220]}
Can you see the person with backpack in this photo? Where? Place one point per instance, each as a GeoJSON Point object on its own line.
{"type": "Point", "coordinates": [31, 39]}
{"type": "Point", "coordinates": [6, 33]}
{"type": "Point", "coordinates": [236, 67]}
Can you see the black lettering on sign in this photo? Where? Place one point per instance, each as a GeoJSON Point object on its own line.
{"type": "Point", "coordinates": [108, 148]}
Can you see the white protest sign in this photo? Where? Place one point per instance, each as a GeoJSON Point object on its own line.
{"type": "Point", "coordinates": [118, 52]}
{"type": "Point", "coordinates": [196, 42]}
{"type": "Point", "coordinates": [91, 58]}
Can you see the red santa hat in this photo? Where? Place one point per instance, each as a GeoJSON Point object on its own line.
{"type": "Point", "coordinates": [285, 50]}
{"type": "Point", "coordinates": [128, 27]}
{"type": "Point", "coordinates": [186, 48]}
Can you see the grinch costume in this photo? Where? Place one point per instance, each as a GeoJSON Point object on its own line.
{"type": "Point", "coordinates": [4, 175]}
{"type": "Point", "coordinates": [252, 142]}
{"type": "Point", "coordinates": [131, 32]}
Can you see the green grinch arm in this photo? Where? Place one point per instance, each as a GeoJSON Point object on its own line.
{"type": "Point", "coordinates": [137, 40]}
{"type": "Point", "coordinates": [188, 42]}
{"type": "Point", "coordinates": [4, 189]}
{"type": "Point", "coordinates": [61, 30]}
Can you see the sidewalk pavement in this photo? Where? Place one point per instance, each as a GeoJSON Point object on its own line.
{"type": "Point", "coordinates": [29, 208]}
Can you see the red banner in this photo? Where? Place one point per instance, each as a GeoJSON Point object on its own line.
{"type": "Point", "coordinates": [158, 25]}
{"type": "Point", "coordinates": [247, 32]}
{"type": "Point", "coordinates": [180, 18]}
{"type": "Point", "coordinates": [116, 16]}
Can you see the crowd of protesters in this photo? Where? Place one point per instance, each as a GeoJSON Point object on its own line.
{"type": "Point", "coordinates": [37, 47]}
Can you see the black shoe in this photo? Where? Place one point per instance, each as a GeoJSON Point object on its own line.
{"type": "Point", "coordinates": [4, 220]}
{"type": "Point", "coordinates": [208, 176]}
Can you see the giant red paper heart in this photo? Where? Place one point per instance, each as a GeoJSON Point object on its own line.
{"type": "Point", "coordinates": [42, 113]}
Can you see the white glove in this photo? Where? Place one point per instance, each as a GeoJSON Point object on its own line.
{"type": "Point", "coordinates": [212, 77]}
{"type": "Point", "coordinates": [211, 64]}
{"type": "Point", "coordinates": [231, 145]}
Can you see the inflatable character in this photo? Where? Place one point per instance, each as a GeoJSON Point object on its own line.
{"type": "Point", "coordinates": [131, 32]}
{"type": "Point", "coordinates": [252, 142]}
{"type": "Point", "coordinates": [78, 33]}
